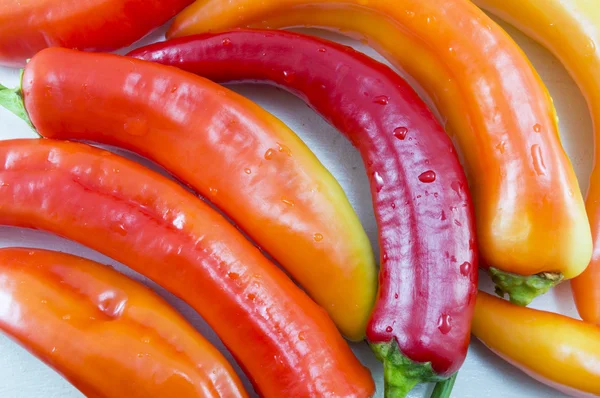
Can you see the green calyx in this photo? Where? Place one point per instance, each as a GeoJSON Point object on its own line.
{"type": "Point", "coordinates": [12, 100]}
{"type": "Point", "coordinates": [400, 373]}
{"type": "Point", "coordinates": [522, 289]}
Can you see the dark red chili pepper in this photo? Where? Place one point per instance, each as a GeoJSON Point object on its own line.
{"type": "Point", "coordinates": [421, 323]}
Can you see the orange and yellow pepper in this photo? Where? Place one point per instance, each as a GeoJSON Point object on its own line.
{"type": "Point", "coordinates": [570, 29]}
{"type": "Point", "coordinates": [559, 351]}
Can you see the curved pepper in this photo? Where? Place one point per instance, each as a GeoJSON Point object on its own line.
{"type": "Point", "coordinates": [531, 220]}
{"type": "Point", "coordinates": [92, 324]}
{"type": "Point", "coordinates": [246, 161]}
{"type": "Point", "coordinates": [286, 343]}
{"type": "Point", "coordinates": [571, 31]}
{"type": "Point", "coordinates": [561, 352]}
{"type": "Point", "coordinates": [422, 206]}
{"type": "Point", "coordinates": [27, 27]}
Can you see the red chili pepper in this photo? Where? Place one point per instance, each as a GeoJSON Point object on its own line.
{"type": "Point", "coordinates": [285, 342]}
{"type": "Point", "coordinates": [421, 323]}
{"type": "Point", "coordinates": [106, 334]}
{"type": "Point", "coordinates": [26, 27]}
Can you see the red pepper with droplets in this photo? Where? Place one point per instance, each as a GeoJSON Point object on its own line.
{"type": "Point", "coordinates": [421, 323]}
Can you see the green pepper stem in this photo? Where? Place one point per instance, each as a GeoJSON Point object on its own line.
{"type": "Point", "coordinates": [522, 289]}
{"type": "Point", "coordinates": [444, 388]}
{"type": "Point", "coordinates": [400, 373]}
{"type": "Point", "coordinates": [12, 100]}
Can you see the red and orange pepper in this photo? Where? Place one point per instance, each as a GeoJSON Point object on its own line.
{"type": "Point", "coordinates": [285, 342]}
{"type": "Point", "coordinates": [106, 334]}
{"type": "Point", "coordinates": [27, 27]}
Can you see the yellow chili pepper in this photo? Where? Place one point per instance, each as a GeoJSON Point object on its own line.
{"type": "Point", "coordinates": [570, 29]}
{"type": "Point", "coordinates": [561, 352]}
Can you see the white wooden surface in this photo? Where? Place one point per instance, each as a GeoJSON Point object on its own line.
{"type": "Point", "coordinates": [483, 374]}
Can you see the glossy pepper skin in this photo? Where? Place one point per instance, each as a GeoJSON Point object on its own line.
{"type": "Point", "coordinates": [570, 29]}
{"type": "Point", "coordinates": [240, 157]}
{"type": "Point", "coordinates": [561, 352]}
{"type": "Point", "coordinates": [531, 220]}
{"type": "Point", "coordinates": [106, 334]}
{"type": "Point", "coordinates": [285, 342]}
{"type": "Point", "coordinates": [420, 195]}
{"type": "Point", "coordinates": [27, 27]}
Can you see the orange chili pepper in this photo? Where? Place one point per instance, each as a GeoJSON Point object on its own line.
{"type": "Point", "coordinates": [531, 220]}
{"type": "Point", "coordinates": [561, 352]}
{"type": "Point", "coordinates": [570, 29]}
{"type": "Point", "coordinates": [105, 333]}
{"type": "Point", "coordinates": [242, 158]}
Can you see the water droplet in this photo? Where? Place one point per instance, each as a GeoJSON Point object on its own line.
{"type": "Point", "coordinates": [301, 336]}
{"type": "Point", "coordinates": [322, 50]}
{"type": "Point", "coordinates": [289, 76]}
{"type": "Point", "coordinates": [174, 89]}
{"type": "Point", "coordinates": [288, 202]}
{"type": "Point", "coordinates": [247, 171]}
{"type": "Point", "coordinates": [111, 303]}
{"type": "Point", "coordinates": [66, 317]}
{"type": "Point", "coordinates": [136, 127]}
{"type": "Point", "coordinates": [393, 205]}
{"type": "Point", "coordinates": [269, 154]}
{"type": "Point", "coordinates": [382, 100]}
{"type": "Point", "coordinates": [119, 229]}
{"type": "Point", "coordinates": [251, 296]}
{"type": "Point", "coordinates": [396, 296]}
{"type": "Point", "coordinates": [537, 128]}
{"type": "Point", "coordinates": [445, 323]}
{"type": "Point", "coordinates": [233, 275]}
{"type": "Point", "coordinates": [501, 147]}
{"type": "Point", "coordinates": [465, 268]}
{"type": "Point", "coordinates": [443, 216]}
{"type": "Point", "coordinates": [283, 148]}
{"type": "Point", "coordinates": [385, 257]}
{"type": "Point", "coordinates": [146, 340]}
{"type": "Point", "coordinates": [226, 41]}
{"type": "Point", "coordinates": [53, 350]}
{"type": "Point", "coordinates": [401, 133]}
{"type": "Point", "coordinates": [213, 191]}
{"type": "Point", "coordinates": [457, 187]}
{"type": "Point", "coordinates": [378, 181]}
{"type": "Point", "coordinates": [538, 160]}
{"type": "Point", "coordinates": [318, 237]}
{"type": "Point", "coordinates": [427, 177]}
{"type": "Point", "coordinates": [4, 184]}
{"type": "Point", "coordinates": [140, 355]}
{"type": "Point", "coordinates": [389, 329]}
{"type": "Point", "coordinates": [591, 48]}
{"type": "Point", "coordinates": [44, 301]}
